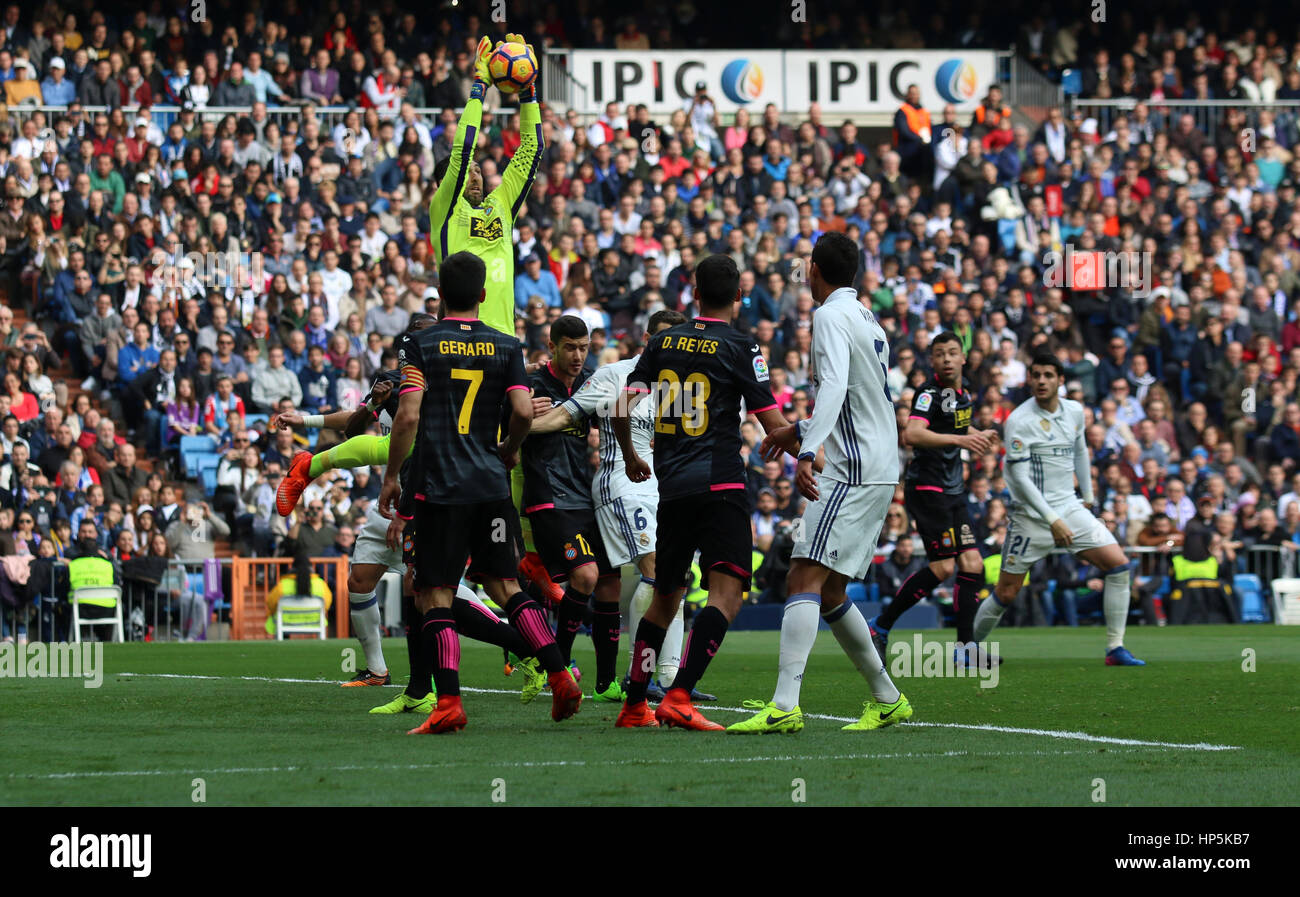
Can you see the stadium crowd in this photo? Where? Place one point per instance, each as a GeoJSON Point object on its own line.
{"type": "Point", "coordinates": [117, 345]}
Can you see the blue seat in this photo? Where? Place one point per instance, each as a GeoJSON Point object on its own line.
{"type": "Point", "coordinates": [1071, 82]}
{"type": "Point", "coordinates": [856, 591]}
{"type": "Point", "coordinates": [196, 465]}
{"type": "Point", "coordinates": [209, 477]}
{"type": "Point", "coordinates": [1250, 598]}
{"type": "Point", "coordinates": [191, 448]}
{"type": "Point", "coordinates": [251, 419]}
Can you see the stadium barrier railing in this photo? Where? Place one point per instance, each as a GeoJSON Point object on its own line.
{"type": "Point", "coordinates": [328, 116]}
{"type": "Point", "coordinates": [1029, 91]}
{"type": "Point", "coordinates": [252, 579]}
{"type": "Point", "coordinates": [1209, 115]}
{"type": "Point", "coordinates": [559, 87]}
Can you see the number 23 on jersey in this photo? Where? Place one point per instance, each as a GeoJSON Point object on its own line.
{"type": "Point", "coordinates": [684, 401]}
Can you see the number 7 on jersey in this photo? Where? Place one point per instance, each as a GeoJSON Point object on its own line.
{"type": "Point", "coordinates": [475, 380]}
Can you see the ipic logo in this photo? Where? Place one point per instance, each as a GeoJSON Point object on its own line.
{"type": "Point", "coordinates": [77, 851]}
{"type": "Point", "coordinates": [37, 660]}
{"type": "Point", "coordinates": [920, 659]}
{"type": "Point", "coordinates": [1094, 270]}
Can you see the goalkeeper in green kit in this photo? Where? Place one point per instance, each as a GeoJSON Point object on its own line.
{"type": "Point", "coordinates": [460, 218]}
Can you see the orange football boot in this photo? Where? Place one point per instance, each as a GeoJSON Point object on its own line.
{"type": "Point", "coordinates": [448, 716]}
{"type": "Point", "coordinates": [297, 479]}
{"type": "Point", "coordinates": [566, 696]}
{"type": "Point", "coordinates": [533, 568]}
{"type": "Point", "coordinates": [636, 716]}
{"type": "Point", "coordinates": [677, 710]}
{"type": "Point", "coordinates": [365, 677]}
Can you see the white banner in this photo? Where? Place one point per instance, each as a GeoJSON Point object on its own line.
{"type": "Point", "coordinates": [843, 82]}
{"type": "Point", "coordinates": [665, 81]}
{"type": "Point", "coordinates": [848, 82]}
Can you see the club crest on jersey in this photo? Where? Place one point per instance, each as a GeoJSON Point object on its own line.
{"type": "Point", "coordinates": [569, 551]}
{"type": "Point", "coordinates": [760, 369]}
{"type": "Point", "coordinates": [947, 539]}
{"type": "Point", "coordinates": [923, 401]}
{"type": "Point", "coordinates": [485, 228]}
{"type": "Point", "coordinates": [645, 540]}
{"type": "Point", "coordinates": [1045, 424]}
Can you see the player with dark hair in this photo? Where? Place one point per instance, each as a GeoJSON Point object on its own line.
{"type": "Point", "coordinates": [938, 430]}
{"type": "Point", "coordinates": [463, 216]}
{"type": "Point", "coordinates": [852, 429]}
{"type": "Point", "coordinates": [1046, 452]}
{"type": "Point", "coordinates": [458, 377]}
{"type": "Point", "coordinates": [557, 499]}
{"type": "Point", "coordinates": [626, 512]}
{"type": "Point", "coordinates": [699, 372]}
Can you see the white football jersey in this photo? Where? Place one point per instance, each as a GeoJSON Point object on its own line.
{"type": "Point", "coordinates": [1047, 444]}
{"type": "Point", "coordinates": [597, 399]}
{"type": "Point", "coordinates": [854, 414]}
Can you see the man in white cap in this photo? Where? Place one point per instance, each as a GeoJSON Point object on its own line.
{"type": "Point", "coordinates": [57, 89]}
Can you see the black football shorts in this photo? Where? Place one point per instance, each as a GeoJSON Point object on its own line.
{"type": "Point", "coordinates": [484, 535]}
{"type": "Point", "coordinates": [943, 520]}
{"type": "Point", "coordinates": [717, 525]}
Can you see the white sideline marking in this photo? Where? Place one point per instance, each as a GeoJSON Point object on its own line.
{"type": "Point", "coordinates": [538, 764]}
{"type": "Point", "coordinates": [1011, 730]}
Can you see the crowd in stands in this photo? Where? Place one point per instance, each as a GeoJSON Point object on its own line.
{"type": "Point", "coordinates": [117, 344]}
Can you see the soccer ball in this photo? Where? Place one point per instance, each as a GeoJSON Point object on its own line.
{"type": "Point", "coordinates": [513, 67]}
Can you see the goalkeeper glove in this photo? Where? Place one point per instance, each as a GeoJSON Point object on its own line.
{"type": "Point", "coordinates": [481, 77]}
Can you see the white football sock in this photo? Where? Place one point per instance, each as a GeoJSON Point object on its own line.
{"type": "Point", "coordinates": [854, 635]}
{"type": "Point", "coordinates": [366, 626]}
{"type": "Point", "coordinates": [636, 608]}
{"type": "Point", "coordinates": [670, 658]}
{"type": "Point", "coordinates": [990, 612]}
{"type": "Point", "coordinates": [798, 633]}
{"type": "Point", "coordinates": [1115, 604]}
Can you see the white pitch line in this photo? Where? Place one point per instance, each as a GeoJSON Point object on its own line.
{"type": "Point", "coordinates": [535, 764]}
{"type": "Point", "coordinates": [1011, 730]}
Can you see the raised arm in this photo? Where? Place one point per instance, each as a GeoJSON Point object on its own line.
{"type": "Point", "coordinates": [517, 181]}
{"type": "Point", "coordinates": [462, 150]}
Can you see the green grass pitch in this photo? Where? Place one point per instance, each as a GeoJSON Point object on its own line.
{"type": "Point", "coordinates": [1191, 728]}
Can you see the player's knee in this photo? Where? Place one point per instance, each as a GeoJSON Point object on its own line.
{"type": "Point", "coordinates": [584, 579]}
{"type": "Point", "coordinates": [970, 562]}
{"type": "Point", "coordinates": [361, 580]}
{"type": "Point", "coordinates": [942, 569]}
{"type": "Point", "coordinates": [1117, 575]}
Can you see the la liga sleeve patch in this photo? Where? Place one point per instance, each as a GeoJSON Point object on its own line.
{"type": "Point", "coordinates": [923, 401]}
{"type": "Point", "coordinates": [760, 369]}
